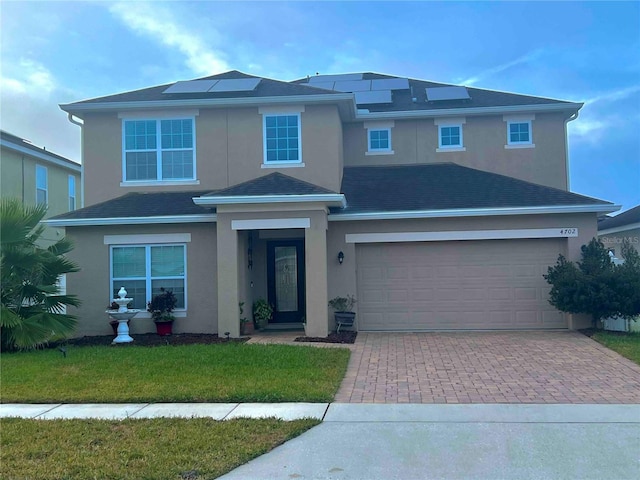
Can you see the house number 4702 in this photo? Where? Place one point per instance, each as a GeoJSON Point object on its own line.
{"type": "Point", "coordinates": [569, 232]}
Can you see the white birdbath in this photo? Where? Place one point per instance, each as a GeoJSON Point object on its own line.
{"type": "Point", "coordinates": [122, 316]}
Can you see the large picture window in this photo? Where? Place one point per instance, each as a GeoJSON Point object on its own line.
{"type": "Point", "coordinates": [144, 269]}
{"type": "Point", "coordinates": [156, 150]}
{"type": "Point", "coordinates": [282, 139]}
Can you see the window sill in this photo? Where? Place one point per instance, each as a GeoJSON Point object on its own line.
{"type": "Point", "coordinates": [379, 152]}
{"type": "Point", "coordinates": [520, 145]}
{"type": "Point", "coordinates": [154, 183]}
{"type": "Point", "coordinates": [281, 165]}
{"type": "Point", "coordinates": [451, 149]}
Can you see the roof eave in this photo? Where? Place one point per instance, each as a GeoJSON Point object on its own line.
{"type": "Point", "coordinates": [620, 229]}
{"type": "Point", "coordinates": [461, 111]}
{"type": "Point", "coordinates": [42, 155]}
{"type": "Point", "coordinates": [205, 102]}
{"type": "Point", "coordinates": [333, 200]}
{"type": "Point", "coordinates": [91, 222]}
{"type": "Point", "coordinates": [475, 212]}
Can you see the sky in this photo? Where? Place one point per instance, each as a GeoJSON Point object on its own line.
{"type": "Point", "coordinates": [60, 52]}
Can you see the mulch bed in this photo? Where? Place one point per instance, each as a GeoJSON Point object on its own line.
{"type": "Point", "coordinates": [149, 340]}
{"type": "Point", "coordinates": [342, 337]}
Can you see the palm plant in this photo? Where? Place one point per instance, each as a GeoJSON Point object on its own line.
{"type": "Point", "coordinates": [33, 310]}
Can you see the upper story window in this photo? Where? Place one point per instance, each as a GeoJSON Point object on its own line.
{"type": "Point", "coordinates": [72, 193]}
{"type": "Point", "coordinates": [42, 185]}
{"type": "Point", "coordinates": [159, 150]}
{"type": "Point", "coordinates": [379, 137]}
{"type": "Point", "coordinates": [450, 136]}
{"type": "Point", "coordinates": [282, 138]}
{"type": "Point", "coordinates": [519, 131]}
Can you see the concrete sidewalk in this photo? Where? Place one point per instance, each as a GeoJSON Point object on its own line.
{"type": "Point", "coordinates": [416, 441]}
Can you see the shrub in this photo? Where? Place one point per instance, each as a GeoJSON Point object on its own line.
{"type": "Point", "coordinates": [161, 306]}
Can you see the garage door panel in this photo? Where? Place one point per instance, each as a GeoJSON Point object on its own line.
{"type": "Point", "coordinates": [457, 285]}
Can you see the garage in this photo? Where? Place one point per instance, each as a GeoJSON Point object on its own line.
{"type": "Point", "coordinates": [457, 285]}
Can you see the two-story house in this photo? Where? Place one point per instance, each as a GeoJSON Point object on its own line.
{"type": "Point", "coordinates": [34, 175]}
{"type": "Point", "coordinates": [438, 206]}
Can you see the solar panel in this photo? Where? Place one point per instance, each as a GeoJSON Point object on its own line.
{"type": "Point", "coordinates": [435, 94]}
{"type": "Point", "coordinates": [336, 78]}
{"type": "Point", "coordinates": [235, 85]}
{"type": "Point", "coordinates": [353, 86]}
{"type": "Point", "coordinates": [390, 84]}
{"type": "Point", "coordinates": [378, 96]}
{"type": "Point", "coordinates": [325, 85]}
{"type": "Point", "coordinates": [191, 86]}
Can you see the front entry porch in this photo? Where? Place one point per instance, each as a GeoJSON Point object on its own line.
{"type": "Point", "coordinates": [279, 255]}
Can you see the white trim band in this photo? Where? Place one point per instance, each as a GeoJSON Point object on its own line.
{"type": "Point", "coordinates": [565, 232]}
{"type": "Point", "coordinates": [270, 224]}
{"type": "Point", "coordinates": [473, 212]}
{"type": "Point", "coordinates": [622, 228]}
{"type": "Point", "coordinates": [90, 222]}
{"type": "Point", "coordinates": [336, 199]}
{"type": "Point", "coordinates": [147, 238]}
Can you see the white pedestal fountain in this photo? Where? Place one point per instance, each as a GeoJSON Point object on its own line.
{"type": "Point", "coordinates": [122, 316]}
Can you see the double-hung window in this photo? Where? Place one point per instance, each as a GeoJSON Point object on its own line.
{"type": "Point", "coordinates": [144, 269]}
{"type": "Point", "coordinates": [282, 138]}
{"type": "Point", "coordinates": [159, 150]}
{"type": "Point", "coordinates": [42, 185]}
{"type": "Point", "coordinates": [72, 193]}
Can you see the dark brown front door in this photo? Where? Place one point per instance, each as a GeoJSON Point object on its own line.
{"type": "Point", "coordinates": [285, 280]}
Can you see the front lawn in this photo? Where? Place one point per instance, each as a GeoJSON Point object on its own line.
{"type": "Point", "coordinates": [626, 344]}
{"type": "Point", "coordinates": [229, 372]}
{"type": "Point", "coordinates": [159, 448]}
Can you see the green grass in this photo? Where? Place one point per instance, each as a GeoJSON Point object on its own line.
{"type": "Point", "coordinates": [230, 372]}
{"type": "Point", "coordinates": [137, 449]}
{"type": "Point", "coordinates": [627, 345]}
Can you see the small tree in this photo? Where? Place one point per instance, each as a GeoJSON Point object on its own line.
{"type": "Point", "coordinates": [32, 306]}
{"type": "Point", "coordinates": [595, 286]}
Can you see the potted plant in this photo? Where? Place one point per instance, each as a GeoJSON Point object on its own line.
{"type": "Point", "coordinates": [246, 325]}
{"type": "Point", "coordinates": [343, 311]}
{"type": "Point", "coordinates": [262, 313]}
{"type": "Point", "coordinates": [161, 307]}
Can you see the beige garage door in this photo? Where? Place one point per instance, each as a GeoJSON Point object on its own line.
{"type": "Point", "coordinates": [492, 284]}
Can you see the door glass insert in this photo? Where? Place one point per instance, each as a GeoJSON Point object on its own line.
{"type": "Point", "coordinates": [286, 279]}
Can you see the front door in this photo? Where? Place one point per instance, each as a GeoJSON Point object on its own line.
{"type": "Point", "coordinates": [285, 280]}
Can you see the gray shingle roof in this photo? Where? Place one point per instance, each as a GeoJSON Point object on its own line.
{"type": "Point", "coordinates": [273, 184]}
{"type": "Point", "coordinates": [141, 205]}
{"type": "Point", "coordinates": [622, 219]}
{"type": "Point", "coordinates": [21, 142]}
{"type": "Point", "coordinates": [444, 186]}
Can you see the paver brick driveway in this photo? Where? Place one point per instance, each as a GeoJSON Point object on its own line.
{"type": "Point", "coordinates": [487, 367]}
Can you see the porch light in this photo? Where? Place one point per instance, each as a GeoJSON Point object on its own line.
{"type": "Point", "coordinates": [340, 258]}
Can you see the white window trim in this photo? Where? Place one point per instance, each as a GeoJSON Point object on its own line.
{"type": "Point", "coordinates": [278, 112]}
{"type": "Point", "coordinates": [159, 150]}
{"type": "Point", "coordinates": [46, 184]}
{"type": "Point", "coordinates": [450, 148]}
{"type": "Point", "coordinates": [72, 178]}
{"type": "Point", "coordinates": [147, 239]}
{"type": "Point", "coordinates": [378, 151]}
{"type": "Point", "coordinates": [282, 165]}
{"type": "Point", "coordinates": [147, 279]}
{"type": "Point", "coordinates": [527, 144]}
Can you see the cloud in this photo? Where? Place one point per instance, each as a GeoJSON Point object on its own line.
{"type": "Point", "coordinates": [28, 77]}
{"type": "Point", "coordinates": [613, 96]}
{"type": "Point", "coordinates": [501, 68]}
{"type": "Point", "coordinates": [158, 23]}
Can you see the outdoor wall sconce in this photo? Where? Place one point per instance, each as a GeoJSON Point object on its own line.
{"type": "Point", "coordinates": [340, 258]}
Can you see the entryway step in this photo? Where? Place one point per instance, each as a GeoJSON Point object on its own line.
{"type": "Point", "coordinates": [285, 326]}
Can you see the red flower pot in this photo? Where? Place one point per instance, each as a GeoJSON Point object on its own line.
{"type": "Point", "coordinates": [164, 328]}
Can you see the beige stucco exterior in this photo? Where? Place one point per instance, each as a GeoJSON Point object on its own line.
{"type": "Point", "coordinates": [484, 140]}
{"type": "Point", "coordinates": [229, 150]}
{"type": "Point", "coordinates": [613, 241]}
{"type": "Point", "coordinates": [18, 180]}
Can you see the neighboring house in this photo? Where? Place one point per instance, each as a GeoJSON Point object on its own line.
{"type": "Point", "coordinates": [35, 175]}
{"type": "Point", "coordinates": [447, 203]}
{"type": "Point", "coordinates": [612, 231]}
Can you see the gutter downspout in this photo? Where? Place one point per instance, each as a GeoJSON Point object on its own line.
{"type": "Point", "coordinates": [70, 117]}
{"type": "Point", "coordinates": [566, 146]}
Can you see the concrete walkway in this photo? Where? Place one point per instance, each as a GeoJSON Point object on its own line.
{"type": "Point", "coordinates": [545, 367]}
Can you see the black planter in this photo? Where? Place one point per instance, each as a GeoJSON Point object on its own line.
{"type": "Point", "coordinates": [344, 319]}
